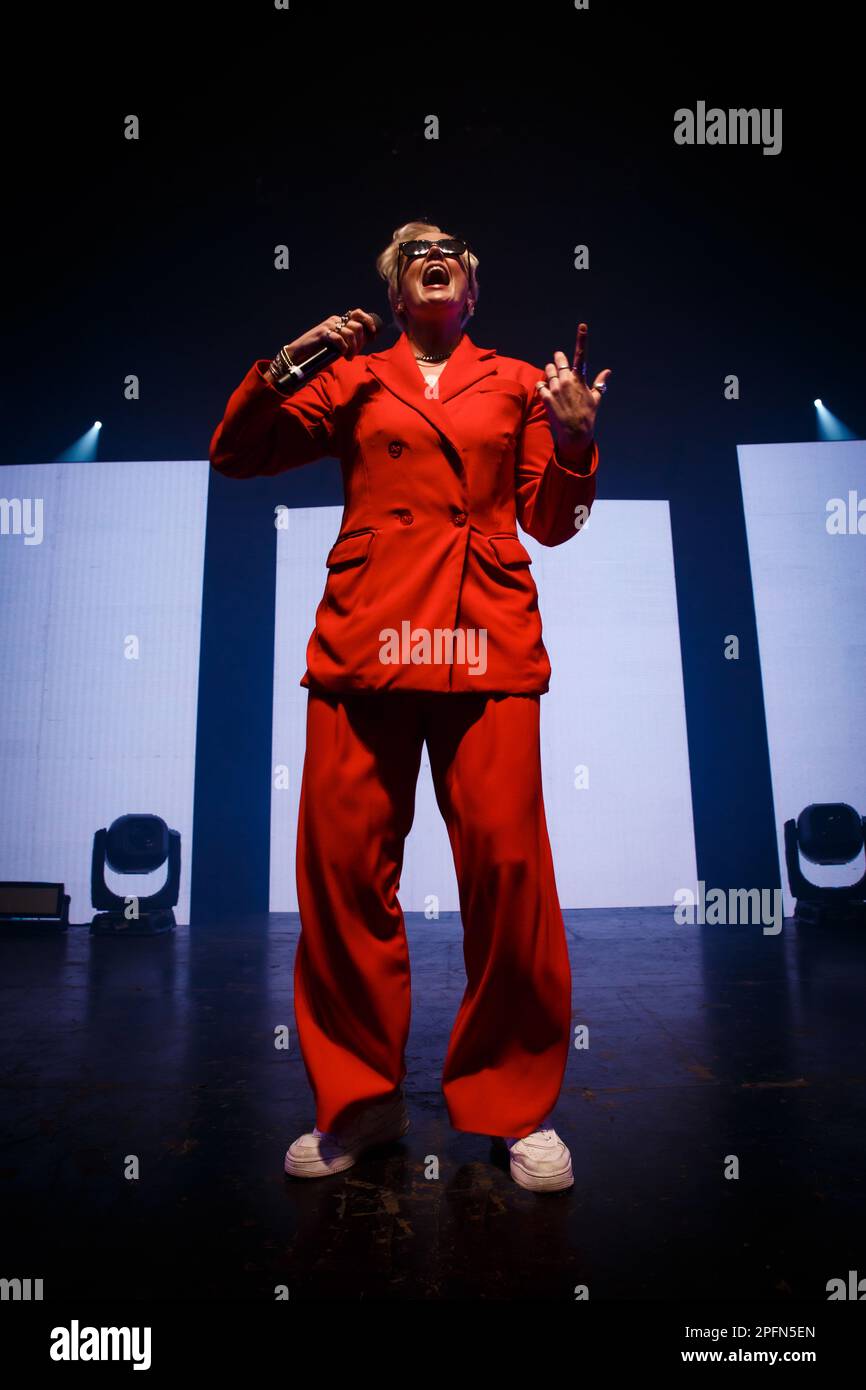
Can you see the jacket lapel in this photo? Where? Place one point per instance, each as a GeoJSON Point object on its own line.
{"type": "Point", "coordinates": [397, 369]}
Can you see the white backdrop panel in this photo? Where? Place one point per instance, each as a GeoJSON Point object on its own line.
{"type": "Point", "coordinates": [615, 705]}
{"type": "Point", "coordinates": [810, 606]}
{"type": "Point", "coordinates": [87, 735]}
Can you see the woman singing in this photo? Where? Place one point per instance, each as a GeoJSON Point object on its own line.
{"type": "Point", "coordinates": [428, 631]}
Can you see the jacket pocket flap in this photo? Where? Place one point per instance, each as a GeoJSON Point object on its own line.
{"type": "Point", "coordinates": [351, 550]}
{"type": "Point", "coordinates": [502, 387]}
{"type": "Point", "coordinates": [510, 551]}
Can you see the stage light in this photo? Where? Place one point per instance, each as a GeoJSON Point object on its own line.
{"type": "Point", "coordinates": [83, 448]}
{"type": "Point", "coordinates": [828, 425]}
{"type": "Point", "coordinates": [826, 833]}
{"type": "Point", "coordinates": [33, 908]}
{"type": "Point", "coordinates": [135, 844]}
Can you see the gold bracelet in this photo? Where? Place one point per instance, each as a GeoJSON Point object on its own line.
{"type": "Point", "coordinates": [282, 365]}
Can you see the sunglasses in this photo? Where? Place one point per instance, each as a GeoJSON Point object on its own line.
{"type": "Point", "coordinates": [414, 250]}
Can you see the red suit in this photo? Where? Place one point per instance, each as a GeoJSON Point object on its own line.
{"type": "Point", "coordinates": [428, 629]}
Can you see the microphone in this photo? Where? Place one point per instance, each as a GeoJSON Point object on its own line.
{"type": "Point", "coordinates": [301, 372]}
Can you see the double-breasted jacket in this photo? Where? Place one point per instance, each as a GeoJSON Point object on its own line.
{"type": "Point", "coordinates": [428, 585]}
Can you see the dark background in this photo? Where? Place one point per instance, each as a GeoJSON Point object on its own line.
{"type": "Point", "coordinates": [556, 128]}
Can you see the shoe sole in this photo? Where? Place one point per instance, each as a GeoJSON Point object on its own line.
{"type": "Point", "coordinates": [315, 1168]}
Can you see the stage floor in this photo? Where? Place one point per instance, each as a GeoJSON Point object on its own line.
{"type": "Point", "coordinates": [705, 1043]}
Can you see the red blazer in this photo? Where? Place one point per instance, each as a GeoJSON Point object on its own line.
{"type": "Point", "coordinates": [428, 585]}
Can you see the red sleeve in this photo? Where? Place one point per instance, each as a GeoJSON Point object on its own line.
{"type": "Point", "coordinates": [548, 491]}
{"type": "Point", "coordinates": [265, 432]}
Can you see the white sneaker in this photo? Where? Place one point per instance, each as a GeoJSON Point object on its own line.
{"type": "Point", "coordinates": [541, 1161]}
{"type": "Point", "coordinates": [320, 1153]}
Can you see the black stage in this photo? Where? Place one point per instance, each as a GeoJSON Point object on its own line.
{"type": "Point", "coordinates": [705, 1042]}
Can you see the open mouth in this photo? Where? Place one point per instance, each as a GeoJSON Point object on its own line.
{"type": "Point", "coordinates": [436, 274]}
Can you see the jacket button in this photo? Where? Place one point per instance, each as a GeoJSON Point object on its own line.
{"type": "Point", "coordinates": [459, 518]}
{"type": "Point", "coordinates": [395, 448]}
{"type": "Point", "coordinates": [406, 517]}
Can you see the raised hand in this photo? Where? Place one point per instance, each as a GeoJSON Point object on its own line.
{"type": "Point", "coordinates": [571, 404]}
{"type": "Point", "coordinates": [349, 337]}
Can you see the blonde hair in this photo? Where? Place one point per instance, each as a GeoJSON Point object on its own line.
{"type": "Point", "coordinates": [386, 264]}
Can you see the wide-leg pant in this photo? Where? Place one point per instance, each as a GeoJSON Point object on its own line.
{"type": "Point", "coordinates": [509, 1044]}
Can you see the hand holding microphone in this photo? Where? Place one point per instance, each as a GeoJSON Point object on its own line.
{"type": "Point", "coordinates": [337, 336]}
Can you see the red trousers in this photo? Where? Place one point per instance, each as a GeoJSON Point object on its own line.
{"type": "Point", "coordinates": [509, 1043]}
